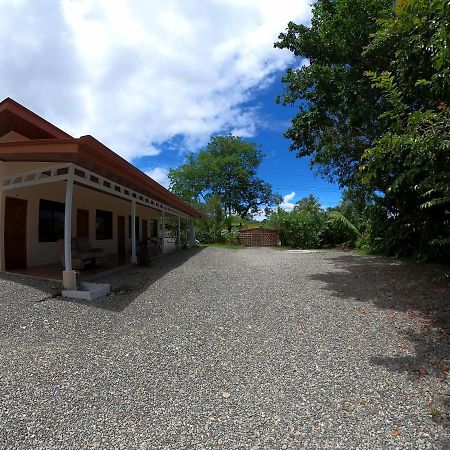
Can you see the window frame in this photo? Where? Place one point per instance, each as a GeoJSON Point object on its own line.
{"type": "Point", "coordinates": [56, 218]}
{"type": "Point", "coordinates": [104, 232]}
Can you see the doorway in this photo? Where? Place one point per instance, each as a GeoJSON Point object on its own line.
{"type": "Point", "coordinates": [15, 233]}
{"type": "Point", "coordinates": [121, 239]}
{"type": "Point", "coordinates": [144, 230]}
{"type": "Point", "coordinates": [83, 223]}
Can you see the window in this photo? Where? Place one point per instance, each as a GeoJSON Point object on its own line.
{"type": "Point", "coordinates": [136, 225]}
{"type": "Point", "coordinates": [51, 221]}
{"type": "Point", "coordinates": [103, 225]}
{"type": "Point", "coordinates": [153, 228]}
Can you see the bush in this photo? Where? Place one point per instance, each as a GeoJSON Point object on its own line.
{"type": "Point", "coordinates": [309, 226]}
{"type": "Point", "coordinates": [230, 237]}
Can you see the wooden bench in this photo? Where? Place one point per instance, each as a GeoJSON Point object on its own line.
{"type": "Point", "coordinates": [82, 253]}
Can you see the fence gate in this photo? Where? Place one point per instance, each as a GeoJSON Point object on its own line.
{"type": "Point", "coordinates": [258, 237]}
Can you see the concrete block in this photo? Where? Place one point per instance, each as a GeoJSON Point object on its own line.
{"type": "Point", "coordinates": [88, 291]}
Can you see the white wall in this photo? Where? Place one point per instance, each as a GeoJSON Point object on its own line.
{"type": "Point", "coordinates": [40, 253]}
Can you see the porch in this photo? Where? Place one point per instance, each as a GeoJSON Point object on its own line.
{"type": "Point", "coordinates": [53, 271]}
{"type": "Point", "coordinates": [66, 202]}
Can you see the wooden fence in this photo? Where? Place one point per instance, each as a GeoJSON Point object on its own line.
{"type": "Point", "coordinates": [258, 237]}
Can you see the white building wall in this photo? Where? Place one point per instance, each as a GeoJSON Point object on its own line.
{"type": "Point", "coordinates": [40, 253]}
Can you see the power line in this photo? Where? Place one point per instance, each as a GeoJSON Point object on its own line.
{"type": "Point", "coordinates": [296, 188]}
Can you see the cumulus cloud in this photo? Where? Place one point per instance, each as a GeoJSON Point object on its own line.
{"type": "Point", "coordinates": [287, 204]}
{"type": "Point", "coordinates": [159, 174]}
{"type": "Point", "coordinates": [137, 74]}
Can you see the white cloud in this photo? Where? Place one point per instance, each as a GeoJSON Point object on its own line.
{"type": "Point", "coordinates": [259, 216]}
{"type": "Point", "coordinates": [136, 73]}
{"type": "Point", "coordinates": [159, 174]}
{"type": "Point", "coordinates": [287, 204]}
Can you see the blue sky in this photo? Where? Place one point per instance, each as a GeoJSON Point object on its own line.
{"type": "Point", "coordinates": [287, 173]}
{"type": "Point", "coordinates": [154, 79]}
{"type": "Point", "coordinates": [281, 167]}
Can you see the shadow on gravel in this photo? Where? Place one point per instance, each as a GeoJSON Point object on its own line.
{"type": "Point", "coordinates": [404, 287]}
{"type": "Point", "coordinates": [126, 286]}
{"type": "Point", "coordinates": [48, 288]}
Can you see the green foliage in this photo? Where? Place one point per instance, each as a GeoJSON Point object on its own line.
{"type": "Point", "coordinates": [309, 226]}
{"type": "Point", "coordinates": [227, 170]}
{"type": "Point", "coordinates": [338, 220]}
{"type": "Point", "coordinates": [410, 161]}
{"type": "Point", "coordinates": [338, 110]}
{"type": "Point", "coordinates": [230, 237]}
{"type": "Point", "coordinates": [214, 226]}
{"type": "Point", "coordinates": [210, 226]}
{"type": "Point", "coordinates": [374, 115]}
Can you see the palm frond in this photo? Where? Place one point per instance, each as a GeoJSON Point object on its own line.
{"type": "Point", "coordinates": [336, 216]}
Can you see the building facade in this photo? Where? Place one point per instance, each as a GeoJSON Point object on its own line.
{"type": "Point", "coordinates": [55, 189]}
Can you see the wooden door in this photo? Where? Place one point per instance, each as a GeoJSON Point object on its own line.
{"type": "Point", "coordinates": [144, 230]}
{"type": "Point", "coordinates": [121, 238]}
{"type": "Point", "coordinates": [82, 223]}
{"type": "Point", "coordinates": [15, 233]}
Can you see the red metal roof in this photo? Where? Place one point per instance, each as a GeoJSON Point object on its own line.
{"type": "Point", "coordinates": [48, 143]}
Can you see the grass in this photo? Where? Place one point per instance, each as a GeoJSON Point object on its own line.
{"type": "Point", "coordinates": [364, 251]}
{"type": "Point", "coordinates": [437, 411]}
{"type": "Point", "coordinates": [51, 296]}
{"type": "Point", "coordinates": [223, 245]}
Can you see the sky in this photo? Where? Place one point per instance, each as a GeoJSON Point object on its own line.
{"type": "Point", "coordinates": [154, 79]}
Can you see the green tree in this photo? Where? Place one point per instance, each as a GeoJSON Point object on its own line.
{"type": "Point", "coordinates": [302, 227]}
{"type": "Point", "coordinates": [308, 225]}
{"type": "Point", "coordinates": [410, 162]}
{"type": "Point", "coordinates": [227, 169]}
{"type": "Point", "coordinates": [338, 109]}
{"type": "Point", "coordinates": [308, 204]}
{"type": "Point", "coordinates": [374, 115]}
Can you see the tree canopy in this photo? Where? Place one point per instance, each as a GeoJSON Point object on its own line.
{"type": "Point", "coordinates": [374, 114]}
{"type": "Point", "coordinates": [338, 109]}
{"type": "Point", "coordinates": [227, 170]}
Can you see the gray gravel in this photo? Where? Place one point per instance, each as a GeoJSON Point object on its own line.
{"type": "Point", "coordinates": [214, 348]}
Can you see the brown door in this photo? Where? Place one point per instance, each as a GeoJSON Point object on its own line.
{"type": "Point", "coordinates": [144, 230]}
{"type": "Point", "coordinates": [121, 238]}
{"type": "Point", "coordinates": [82, 223]}
{"type": "Point", "coordinates": [15, 233]}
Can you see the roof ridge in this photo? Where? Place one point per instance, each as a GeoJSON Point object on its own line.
{"type": "Point", "coordinates": [35, 119]}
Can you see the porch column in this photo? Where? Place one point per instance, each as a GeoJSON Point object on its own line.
{"type": "Point", "coordinates": [163, 233]}
{"type": "Point", "coordinates": [192, 240]}
{"type": "Point", "coordinates": [133, 232]}
{"type": "Point", "coordinates": [2, 221]}
{"type": "Point", "coordinates": [69, 275]}
{"type": "Point", "coordinates": [179, 233]}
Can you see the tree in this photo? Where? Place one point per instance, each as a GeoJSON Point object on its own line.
{"type": "Point", "coordinates": [410, 162]}
{"type": "Point", "coordinates": [374, 114]}
{"type": "Point", "coordinates": [308, 204]}
{"type": "Point", "coordinates": [227, 169]}
{"type": "Point", "coordinates": [338, 109]}
{"type": "Point", "coordinates": [308, 225]}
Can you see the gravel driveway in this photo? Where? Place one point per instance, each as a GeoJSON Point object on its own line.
{"type": "Point", "coordinates": [216, 348]}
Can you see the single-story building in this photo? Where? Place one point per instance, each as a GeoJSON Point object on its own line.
{"type": "Point", "coordinates": [55, 188]}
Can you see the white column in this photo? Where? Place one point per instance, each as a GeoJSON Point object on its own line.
{"type": "Point", "coordinates": [133, 232]}
{"type": "Point", "coordinates": [179, 233]}
{"type": "Point", "coordinates": [2, 230]}
{"type": "Point", "coordinates": [69, 275]}
{"type": "Point", "coordinates": [2, 220]}
{"type": "Point", "coordinates": [192, 240]}
{"type": "Point", "coordinates": [163, 233]}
